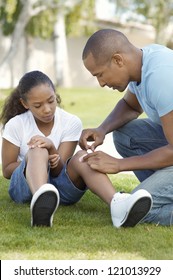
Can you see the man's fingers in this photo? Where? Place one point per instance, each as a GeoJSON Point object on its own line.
{"type": "Point", "coordinates": [81, 158]}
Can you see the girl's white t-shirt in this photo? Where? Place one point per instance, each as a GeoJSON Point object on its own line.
{"type": "Point", "coordinates": [21, 128]}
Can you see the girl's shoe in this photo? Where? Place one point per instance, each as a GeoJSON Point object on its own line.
{"type": "Point", "coordinates": [127, 210]}
{"type": "Point", "coordinates": [44, 203]}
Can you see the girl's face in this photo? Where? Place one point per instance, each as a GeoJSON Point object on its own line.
{"type": "Point", "coordinates": [41, 101]}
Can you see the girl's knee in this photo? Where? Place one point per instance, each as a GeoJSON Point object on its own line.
{"type": "Point", "coordinates": [79, 154]}
{"type": "Point", "coordinates": [77, 158]}
{"type": "Point", "coordinates": [37, 153]}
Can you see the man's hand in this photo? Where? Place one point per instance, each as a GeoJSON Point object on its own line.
{"type": "Point", "coordinates": [94, 135]}
{"type": "Point", "coordinates": [102, 162]}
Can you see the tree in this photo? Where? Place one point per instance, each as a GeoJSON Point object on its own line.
{"type": "Point", "coordinates": [45, 19]}
{"type": "Point", "coordinates": [72, 19]}
{"type": "Point", "coordinates": [158, 13]}
{"type": "Point", "coordinates": [15, 19]}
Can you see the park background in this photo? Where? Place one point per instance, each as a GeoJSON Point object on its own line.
{"type": "Point", "coordinates": [49, 36]}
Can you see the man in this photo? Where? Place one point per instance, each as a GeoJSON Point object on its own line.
{"type": "Point", "coordinates": [146, 145]}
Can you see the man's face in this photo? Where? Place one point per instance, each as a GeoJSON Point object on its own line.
{"type": "Point", "coordinates": [112, 74]}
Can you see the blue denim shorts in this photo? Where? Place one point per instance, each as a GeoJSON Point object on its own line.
{"type": "Point", "coordinates": [19, 190]}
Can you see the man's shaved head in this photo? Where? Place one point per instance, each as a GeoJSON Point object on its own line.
{"type": "Point", "coordinates": [104, 43]}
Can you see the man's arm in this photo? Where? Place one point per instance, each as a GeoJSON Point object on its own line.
{"type": "Point", "coordinates": [156, 159]}
{"type": "Point", "coordinates": [127, 109]}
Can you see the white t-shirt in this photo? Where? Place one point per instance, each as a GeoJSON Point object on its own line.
{"type": "Point", "coordinates": [20, 129]}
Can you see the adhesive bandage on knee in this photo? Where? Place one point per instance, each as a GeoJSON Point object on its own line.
{"type": "Point", "coordinates": [89, 151]}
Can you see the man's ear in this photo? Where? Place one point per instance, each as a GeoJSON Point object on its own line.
{"type": "Point", "coordinates": [24, 104]}
{"type": "Point", "coordinates": [118, 59]}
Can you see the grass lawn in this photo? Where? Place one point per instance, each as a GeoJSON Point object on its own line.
{"type": "Point", "coordinates": [84, 230]}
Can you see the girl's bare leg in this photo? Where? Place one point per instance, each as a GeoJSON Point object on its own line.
{"type": "Point", "coordinates": [45, 198]}
{"type": "Point", "coordinates": [37, 168]}
{"type": "Point", "coordinates": [126, 210]}
{"type": "Point", "coordinates": [82, 175]}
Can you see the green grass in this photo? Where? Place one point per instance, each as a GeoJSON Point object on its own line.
{"type": "Point", "coordinates": [91, 105]}
{"type": "Point", "coordinates": [84, 230]}
{"type": "Point", "coordinates": [81, 231]}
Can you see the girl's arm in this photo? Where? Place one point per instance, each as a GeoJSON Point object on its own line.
{"type": "Point", "coordinates": [58, 157]}
{"type": "Point", "coordinates": [9, 158]}
{"type": "Point", "coordinates": [65, 151]}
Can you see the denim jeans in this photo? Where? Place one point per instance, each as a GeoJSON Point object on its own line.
{"type": "Point", "coordinates": [137, 138]}
{"type": "Point", "coordinates": [19, 190]}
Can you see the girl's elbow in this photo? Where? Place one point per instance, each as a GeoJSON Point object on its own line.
{"type": "Point", "coordinates": [6, 174]}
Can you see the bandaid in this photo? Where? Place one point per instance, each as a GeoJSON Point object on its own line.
{"type": "Point", "coordinates": [89, 151]}
{"type": "Point", "coordinates": [81, 158]}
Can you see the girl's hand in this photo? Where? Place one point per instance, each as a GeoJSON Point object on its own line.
{"type": "Point", "coordinates": [54, 160]}
{"type": "Point", "coordinates": [40, 142]}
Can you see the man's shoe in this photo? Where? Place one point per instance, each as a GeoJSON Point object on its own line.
{"type": "Point", "coordinates": [127, 210]}
{"type": "Point", "coordinates": [44, 203]}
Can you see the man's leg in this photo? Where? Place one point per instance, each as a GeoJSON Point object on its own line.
{"type": "Point", "coordinates": [139, 137]}
{"type": "Point", "coordinates": [160, 186]}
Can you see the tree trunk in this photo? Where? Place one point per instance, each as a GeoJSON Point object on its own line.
{"type": "Point", "coordinates": [18, 31]}
{"type": "Point", "coordinates": [7, 61]}
{"type": "Point", "coordinates": [61, 54]}
{"type": "Point", "coordinates": [28, 53]}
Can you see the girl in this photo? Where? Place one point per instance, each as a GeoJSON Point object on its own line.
{"type": "Point", "coordinates": [39, 139]}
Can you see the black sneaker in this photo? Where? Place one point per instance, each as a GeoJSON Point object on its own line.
{"type": "Point", "coordinates": [127, 210]}
{"type": "Point", "coordinates": [43, 205]}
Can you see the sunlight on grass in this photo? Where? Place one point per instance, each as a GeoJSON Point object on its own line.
{"type": "Point", "coordinates": [61, 255]}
